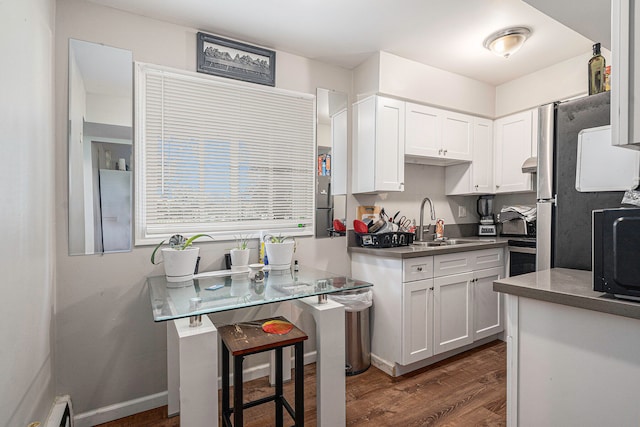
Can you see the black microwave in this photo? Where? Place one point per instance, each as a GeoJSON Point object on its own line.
{"type": "Point", "coordinates": [616, 252]}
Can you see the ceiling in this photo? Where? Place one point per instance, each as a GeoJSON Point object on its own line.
{"type": "Point", "coordinates": [444, 34]}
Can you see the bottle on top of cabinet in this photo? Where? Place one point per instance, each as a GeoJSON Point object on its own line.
{"type": "Point", "coordinates": [597, 69]}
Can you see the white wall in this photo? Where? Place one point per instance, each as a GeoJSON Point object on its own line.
{"type": "Point", "coordinates": [27, 259]}
{"type": "Point", "coordinates": [108, 349]}
{"type": "Point", "coordinates": [420, 181]}
{"type": "Point", "coordinates": [561, 81]}
{"type": "Point", "coordinates": [112, 110]}
{"type": "Point", "coordinates": [393, 75]}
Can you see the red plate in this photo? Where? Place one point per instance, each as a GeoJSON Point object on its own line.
{"type": "Point", "coordinates": [279, 327]}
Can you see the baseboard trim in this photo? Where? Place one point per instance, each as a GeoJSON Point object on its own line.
{"type": "Point", "coordinates": [134, 406]}
{"type": "Point", "coordinates": [395, 369]}
{"type": "Point", "coordinates": [119, 410]}
{"type": "Point", "coordinates": [384, 365]}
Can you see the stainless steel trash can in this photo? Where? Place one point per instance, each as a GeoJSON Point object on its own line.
{"type": "Point", "coordinates": [357, 332]}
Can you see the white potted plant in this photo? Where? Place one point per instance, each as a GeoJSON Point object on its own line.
{"type": "Point", "coordinates": [279, 251]}
{"type": "Point", "coordinates": [240, 254]}
{"type": "Point", "coordinates": [179, 258]}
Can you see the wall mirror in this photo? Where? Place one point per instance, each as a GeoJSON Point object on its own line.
{"type": "Point", "coordinates": [331, 173]}
{"type": "Point", "coordinates": [100, 148]}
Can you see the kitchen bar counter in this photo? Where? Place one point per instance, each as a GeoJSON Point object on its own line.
{"type": "Point", "coordinates": [572, 353]}
{"type": "Point", "coordinates": [414, 251]}
{"type": "Point", "coordinates": [568, 287]}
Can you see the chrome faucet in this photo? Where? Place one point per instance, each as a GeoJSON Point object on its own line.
{"type": "Point", "coordinates": [433, 217]}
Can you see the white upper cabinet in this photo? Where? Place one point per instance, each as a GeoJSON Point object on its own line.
{"type": "Point", "coordinates": [378, 145]}
{"type": "Point", "coordinates": [515, 141]}
{"type": "Point", "coordinates": [424, 131]}
{"type": "Point", "coordinates": [438, 137]}
{"type": "Point", "coordinates": [475, 177]}
{"type": "Point", "coordinates": [625, 39]}
{"type": "Point", "coordinates": [457, 136]}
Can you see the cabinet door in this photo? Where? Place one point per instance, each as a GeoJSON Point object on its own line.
{"type": "Point", "coordinates": [487, 305]}
{"type": "Point", "coordinates": [390, 135]}
{"type": "Point", "coordinates": [364, 145]}
{"type": "Point", "coordinates": [482, 166]}
{"type": "Point", "coordinates": [417, 315]}
{"type": "Point", "coordinates": [452, 312]}
{"type": "Point", "coordinates": [423, 131]}
{"type": "Point", "coordinates": [457, 136]}
{"type": "Point", "coordinates": [513, 145]}
{"type": "Point", "coordinates": [475, 177]}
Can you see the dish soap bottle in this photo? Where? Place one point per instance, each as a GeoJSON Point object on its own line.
{"type": "Point", "coordinates": [440, 229]}
{"type": "Point", "coordinates": [597, 68]}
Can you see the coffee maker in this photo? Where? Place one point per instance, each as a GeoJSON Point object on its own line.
{"type": "Point", "coordinates": [487, 226]}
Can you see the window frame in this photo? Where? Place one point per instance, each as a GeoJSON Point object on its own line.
{"type": "Point", "coordinates": [144, 234]}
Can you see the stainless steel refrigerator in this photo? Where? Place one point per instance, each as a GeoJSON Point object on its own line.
{"type": "Point", "coordinates": [564, 214]}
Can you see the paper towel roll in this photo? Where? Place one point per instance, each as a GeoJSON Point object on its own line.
{"type": "Point", "coordinates": [122, 165]}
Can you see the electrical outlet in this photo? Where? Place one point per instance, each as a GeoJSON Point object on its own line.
{"type": "Point", "coordinates": [462, 211]}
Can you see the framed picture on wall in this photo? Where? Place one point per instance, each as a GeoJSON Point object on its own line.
{"type": "Point", "coordinates": [235, 60]}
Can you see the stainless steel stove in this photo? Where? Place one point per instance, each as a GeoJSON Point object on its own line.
{"type": "Point", "coordinates": [522, 255]}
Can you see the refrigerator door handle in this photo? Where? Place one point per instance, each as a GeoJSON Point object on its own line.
{"type": "Point", "coordinates": [546, 126]}
{"type": "Point", "coordinates": [543, 235]}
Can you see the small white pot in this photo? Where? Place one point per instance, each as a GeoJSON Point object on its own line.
{"type": "Point", "coordinates": [179, 265]}
{"type": "Point", "coordinates": [279, 254]}
{"type": "Point", "coordinates": [239, 259]}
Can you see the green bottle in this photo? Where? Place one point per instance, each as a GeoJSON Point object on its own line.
{"type": "Point", "coordinates": [597, 67]}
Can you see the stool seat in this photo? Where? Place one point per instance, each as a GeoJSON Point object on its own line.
{"type": "Point", "coordinates": [243, 339]}
{"type": "Point", "coordinates": [248, 337]}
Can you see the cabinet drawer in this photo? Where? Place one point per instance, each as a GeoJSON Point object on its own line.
{"type": "Point", "coordinates": [455, 263]}
{"type": "Point", "coordinates": [417, 269]}
{"type": "Point", "coordinates": [488, 258]}
{"type": "Point", "coordinates": [462, 262]}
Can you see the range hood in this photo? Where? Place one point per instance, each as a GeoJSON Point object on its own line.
{"type": "Point", "coordinates": [530, 165]}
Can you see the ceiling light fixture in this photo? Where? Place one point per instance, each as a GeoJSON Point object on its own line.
{"type": "Point", "coordinates": [507, 42]}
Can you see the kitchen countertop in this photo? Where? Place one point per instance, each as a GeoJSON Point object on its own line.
{"type": "Point", "coordinates": [567, 287]}
{"type": "Point", "coordinates": [414, 251]}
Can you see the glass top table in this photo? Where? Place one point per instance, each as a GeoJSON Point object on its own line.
{"type": "Point", "coordinates": [214, 292]}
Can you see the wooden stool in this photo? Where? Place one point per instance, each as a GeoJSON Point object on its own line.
{"type": "Point", "coordinates": [248, 338]}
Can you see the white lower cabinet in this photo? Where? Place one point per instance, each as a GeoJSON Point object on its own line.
{"type": "Point", "coordinates": [487, 304]}
{"type": "Point", "coordinates": [417, 331]}
{"type": "Point", "coordinates": [426, 306]}
{"type": "Point", "coordinates": [452, 312]}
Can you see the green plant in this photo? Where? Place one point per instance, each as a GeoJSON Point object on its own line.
{"type": "Point", "coordinates": [177, 242]}
{"type": "Point", "coordinates": [242, 242]}
{"type": "Point", "coordinates": [270, 238]}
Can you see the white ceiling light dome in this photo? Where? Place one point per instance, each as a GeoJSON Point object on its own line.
{"type": "Point", "coordinates": [508, 41]}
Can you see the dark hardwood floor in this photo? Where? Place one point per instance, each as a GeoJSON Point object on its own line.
{"type": "Point", "coordinates": [465, 390]}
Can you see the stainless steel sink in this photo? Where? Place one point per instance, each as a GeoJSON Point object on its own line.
{"type": "Point", "coordinates": [451, 242]}
{"type": "Point", "coordinates": [429, 244]}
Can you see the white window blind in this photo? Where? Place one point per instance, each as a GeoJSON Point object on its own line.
{"type": "Point", "coordinates": [221, 157]}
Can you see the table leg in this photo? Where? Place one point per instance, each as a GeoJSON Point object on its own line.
{"type": "Point", "coordinates": [192, 372]}
{"type": "Point", "coordinates": [330, 360]}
